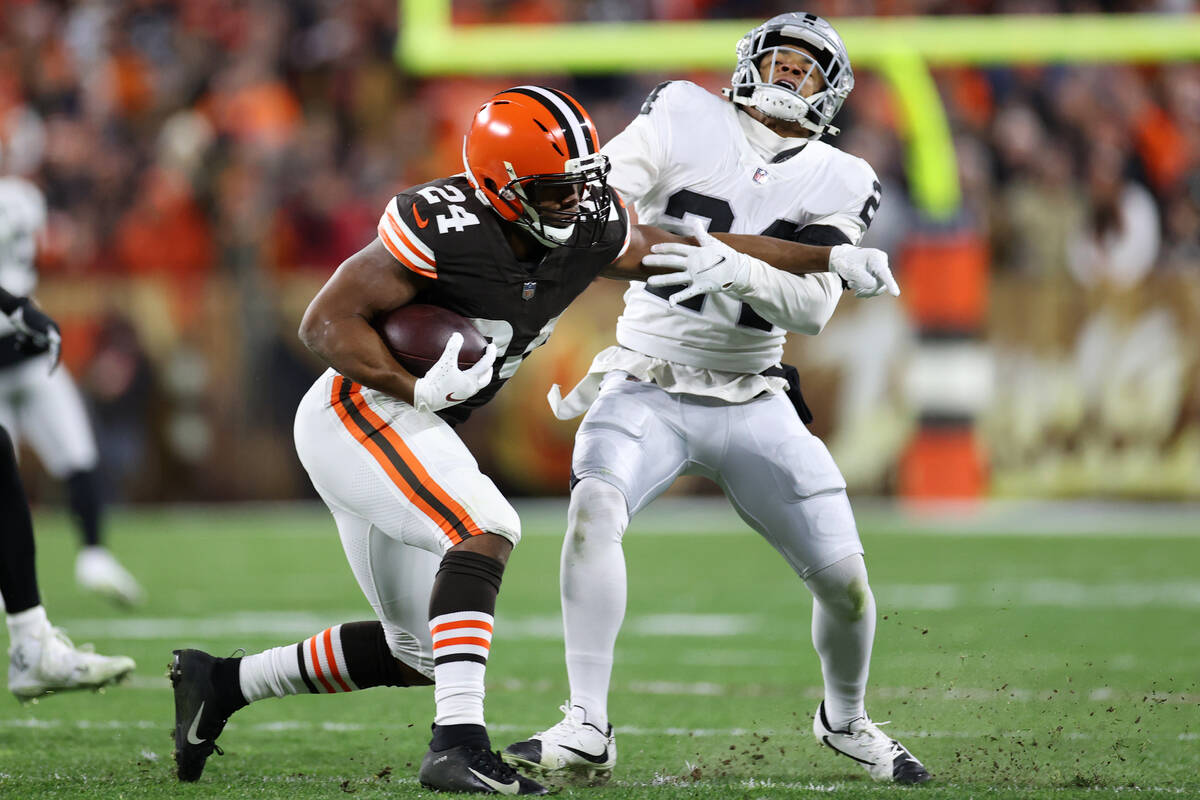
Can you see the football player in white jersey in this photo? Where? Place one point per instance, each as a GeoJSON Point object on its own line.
{"type": "Point", "coordinates": [696, 387]}
{"type": "Point", "coordinates": [42, 660]}
{"type": "Point", "coordinates": [44, 406]}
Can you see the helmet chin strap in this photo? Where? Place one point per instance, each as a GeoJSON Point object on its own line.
{"type": "Point", "coordinates": [536, 232]}
{"type": "Point", "coordinates": [533, 223]}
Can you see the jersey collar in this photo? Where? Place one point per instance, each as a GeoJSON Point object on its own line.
{"type": "Point", "coordinates": [766, 144]}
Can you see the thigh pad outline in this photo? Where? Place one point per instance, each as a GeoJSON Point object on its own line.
{"type": "Point", "coordinates": [803, 467]}
{"type": "Point", "coordinates": [627, 442]}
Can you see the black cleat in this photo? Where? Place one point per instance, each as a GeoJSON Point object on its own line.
{"type": "Point", "coordinates": [198, 712]}
{"type": "Point", "coordinates": [907, 770]}
{"type": "Point", "coordinates": [472, 769]}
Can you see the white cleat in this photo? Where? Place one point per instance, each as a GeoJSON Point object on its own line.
{"type": "Point", "coordinates": [573, 752]}
{"type": "Point", "coordinates": [48, 662]}
{"type": "Point", "coordinates": [881, 756]}
{"type": "Point", "coordinates": [97, 570]}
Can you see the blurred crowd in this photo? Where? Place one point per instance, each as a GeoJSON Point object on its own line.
{"type": "Point", "coordinates": [476, 11]}
{"type": "Point", "coordinates": [209, 162]}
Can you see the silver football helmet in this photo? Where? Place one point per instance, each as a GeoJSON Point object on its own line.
{"type": "Point", "coordinates": [755, 82]}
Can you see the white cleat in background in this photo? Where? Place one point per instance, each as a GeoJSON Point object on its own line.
{"type": "Point", "coordinates": [97, 570]}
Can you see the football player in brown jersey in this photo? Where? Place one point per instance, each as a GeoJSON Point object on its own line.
{"type": "Point", "coordinates": [508, 244]}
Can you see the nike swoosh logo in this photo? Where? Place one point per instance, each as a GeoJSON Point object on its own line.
{"type": "Point", "coordinates": [421, 222]}
{"type": "Point", "coordinates": [191, 734]}
{"type": "Point", "coordinates": [450, 396]}
{"type": "Point", "coordinates": [501, 788]}
{"type": "Point", "coordinates": [829, 744]}
{"type": "Point", "coordinates": [600, 759]}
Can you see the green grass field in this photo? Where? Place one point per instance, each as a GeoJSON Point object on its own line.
{"type": "Point", "coordinates": [1013, 666]}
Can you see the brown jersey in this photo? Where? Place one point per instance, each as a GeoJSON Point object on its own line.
{"type": "Point", "coordinates": [443, 231]}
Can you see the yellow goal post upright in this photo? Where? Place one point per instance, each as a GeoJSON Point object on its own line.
{"type": "Point", "coordinates": [945, 272]}
{"type": "Point", "coordinates": [901, 49]}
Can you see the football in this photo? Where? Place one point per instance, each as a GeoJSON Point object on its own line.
{"type": "Point", "coordinates": [417, 333]}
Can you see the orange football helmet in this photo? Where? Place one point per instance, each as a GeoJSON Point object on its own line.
{"type": "Point", "coordinates": [532, 154]}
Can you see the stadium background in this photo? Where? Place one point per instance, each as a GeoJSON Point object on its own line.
{"type": "Point", "coordinates": [209, 162]}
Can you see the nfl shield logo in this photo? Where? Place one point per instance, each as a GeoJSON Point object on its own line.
{"type": "Point", "coordinates": [528, 290]}
{"type": "Point", "coordinates": [760, 175]}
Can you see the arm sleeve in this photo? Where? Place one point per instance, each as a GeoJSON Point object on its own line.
{"type": "Point", "coordinates": [797, 303]}
{"type": "Point", "coordinates": [856, 215]}
{"type": "Point", "coordinates": [849, 225]}
{"type": "Point", "coordinates": [805, 303]}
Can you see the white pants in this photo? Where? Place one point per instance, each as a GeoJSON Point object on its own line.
{"type": "Point", "coordinates": [778, 476]}
{"type": "Point", "coordinates": [403, 489]}
{"type": "Point", "coordinates": [46, 409]}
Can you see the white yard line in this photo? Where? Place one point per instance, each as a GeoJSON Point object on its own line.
{"type": "Point", "coordinates": [690, 516]}
{"type": "Point", "coordinates": [1032, 594]}
{"type": "Point", "coordinates": [1008, 694]}
{"type": "Point", "coordinates": [660, 779]}
{"type": "Point", "coordinates": [286, 726]}
{"type": "Point", "coordinates": [299, 624]}
{"type": "Point", "coordinates": [756, 783]}
{"type": "Point", "coordinates": [708, 515]}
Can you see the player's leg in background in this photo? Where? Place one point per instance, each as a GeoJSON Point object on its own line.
{"type": "Point", "coordinates": [41, 658]}
{"type": "Point", "coordinates": [55, 421]}
{"type": "Point", "coordinates": [18, 575]}
{"type": "Point", "coordinates": [10, 384]}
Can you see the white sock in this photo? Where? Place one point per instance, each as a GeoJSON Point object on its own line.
{"type": "Point", "coordinates": [315, 666]}
{"type": "Point", "coordinates": [843, 632]}
{"type": "Point", "coordinates": [593, 592]}
{"type": "Point", "coordinates": [461, 642]}
{"type": "Point", "coordinates": [27, 623]}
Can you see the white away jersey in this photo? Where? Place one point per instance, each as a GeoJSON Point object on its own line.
{"type": "Point", "coordinates": [686, 155]}
{"type": "Point", "coordinates": [22, 218]}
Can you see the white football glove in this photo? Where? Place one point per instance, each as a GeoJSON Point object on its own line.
{"type": "Point", "coordinates": [711, 266]}
{"type": "Point", "coordinates": [864, 269]}
{"type": "Point", "coordinates": [445, 385]}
